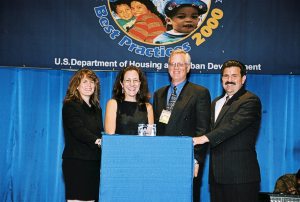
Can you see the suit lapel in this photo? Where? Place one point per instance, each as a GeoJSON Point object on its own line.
{"type": "Point", "coordinates": [180, 105]}
{"type": "Point", "coordinates": [213, 106]}
{"type": "Point", "coordinates": [162, 97]}
{"type": "Point", "coordinates": [221, 114]}
{"type": "Point", "coordinates": [227, 106]}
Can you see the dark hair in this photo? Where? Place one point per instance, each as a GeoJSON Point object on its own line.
{"type": "Point", "coordinates": [150, 6]}
{"type": "Point", "coordinates": [113, 5]}
{"type": "Point", "coordinates": [172, 6]}
{"type": "Point", "coordinates": [143, 94]}
{"type": "Point", "coordinates": [234, 63]}
{"type": "Point", "coordinates": [73, 93]}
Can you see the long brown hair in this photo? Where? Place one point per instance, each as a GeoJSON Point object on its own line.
{"type": "Point", "coordinates": [142, 96]}
{"type": "Point", "coordinates": [73, 93]}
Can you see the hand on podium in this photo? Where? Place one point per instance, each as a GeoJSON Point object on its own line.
{"type": "Point", "coordinates": [200, 140]}
{"type": "Point", "coordinates": [98, 142]}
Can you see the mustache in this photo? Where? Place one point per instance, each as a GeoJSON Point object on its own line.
{"type": "Point", "coordinates": [230, 82]}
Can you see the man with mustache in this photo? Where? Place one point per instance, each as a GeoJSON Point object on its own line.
{"type": "Point", "coordinates": [234, 174]}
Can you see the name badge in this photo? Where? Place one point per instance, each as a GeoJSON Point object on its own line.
{"type": "Point", "coordinates": [165, 116]}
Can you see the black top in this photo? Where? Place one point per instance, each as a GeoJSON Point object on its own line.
{"type": "Point", "coordinates": [129, 116]}
{"type": "Point", "coordinates": [82, 127]}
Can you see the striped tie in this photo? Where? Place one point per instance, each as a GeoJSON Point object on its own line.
{"type": "Point", "coordinates": [172, 99]}
{"type": "Point", "coordinates": [226, 100]}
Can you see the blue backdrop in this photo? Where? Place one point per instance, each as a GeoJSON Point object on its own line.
{"type": "Point", "coordinates": [32, 140]}
{"type": "Point", "coordinates": [70, 33]}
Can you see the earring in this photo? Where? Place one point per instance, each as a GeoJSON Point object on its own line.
{"type": "Point", "coordinates": [122, 90]}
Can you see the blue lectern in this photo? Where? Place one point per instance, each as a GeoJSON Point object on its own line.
{"type": "Point", "coordinates": [141, 169]}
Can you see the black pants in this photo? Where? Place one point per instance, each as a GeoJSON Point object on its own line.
{"type": "Point", "coordinates": [197, 183]}
{"type": "Point", "coordinates": [247, 192]}
{"type": "Point", "coordinates": [196, 189]}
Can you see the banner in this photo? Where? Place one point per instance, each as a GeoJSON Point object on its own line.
{"type": "Point", "coordinates": [112, 34]}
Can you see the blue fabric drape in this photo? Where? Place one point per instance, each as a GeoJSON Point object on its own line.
{"type": "Point", "coordinates": [31, 135]}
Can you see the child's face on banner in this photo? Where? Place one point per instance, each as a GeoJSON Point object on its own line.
{"type": "Point", "coordinates": [124, 11]}
{"type": "Point", "coordinates": [138, 8]}
{"type": "Point", "coordinates": [185, 20]}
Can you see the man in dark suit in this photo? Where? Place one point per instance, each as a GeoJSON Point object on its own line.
{"type": "Point", "coordinates": [183, 109]}
{"type": "Point", "coordinates": [234, 173]}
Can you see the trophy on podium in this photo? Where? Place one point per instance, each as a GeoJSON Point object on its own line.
{"type": "Point", "coordinates": [147, 130]}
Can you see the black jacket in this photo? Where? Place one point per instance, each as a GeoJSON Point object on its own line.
{"type": "Point", "coordinates": [82, 126]}
{"type": "Point", "coordinates": [233, 156]}
{"type": "Point", "coordinates": [190, 115]}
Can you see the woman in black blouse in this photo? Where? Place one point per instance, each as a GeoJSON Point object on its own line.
{"type": "Point", "coordinates": [82, 122]}
{"type": "Point", "coordinates": [130, 103]}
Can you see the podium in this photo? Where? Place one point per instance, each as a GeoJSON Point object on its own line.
{"type": "Point", "coordinates": [143, 168]}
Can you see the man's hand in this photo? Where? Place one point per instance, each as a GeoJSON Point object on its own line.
{"type": "Point", "coordinates": [200, 140]}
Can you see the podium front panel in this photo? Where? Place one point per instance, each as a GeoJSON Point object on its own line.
{"type": "Point", "coordinates": [141, 168]}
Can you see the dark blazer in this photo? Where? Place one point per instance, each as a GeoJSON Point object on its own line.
{"type": "Point", "coordinates": [190, 115]}
{"type": "Point", "coordinates": [232, 140]}
{"type": "Point", "coordinates": [82, 127]}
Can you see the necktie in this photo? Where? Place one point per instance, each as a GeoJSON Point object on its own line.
{"type": "Point", "coordinates": [219, 109]}
{"type": "Point", "coordinates": [226, 100]}
{"type": "Point", "coordinates": [172, 99]}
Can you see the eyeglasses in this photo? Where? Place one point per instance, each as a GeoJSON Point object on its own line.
{"type": "Point", "coordinates": [135, 82]}
{"type": "Point", "coordinates": [178, 64]}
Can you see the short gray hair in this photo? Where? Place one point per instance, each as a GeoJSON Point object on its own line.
{"type": "Point", "coordinates": [181, 51]}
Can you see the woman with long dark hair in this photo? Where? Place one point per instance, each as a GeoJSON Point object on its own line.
{"type": "Point", "coordinates": [130, 103]}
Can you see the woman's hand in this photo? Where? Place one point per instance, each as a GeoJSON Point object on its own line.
{"type": "Point", "coordinates": [98, 142]}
